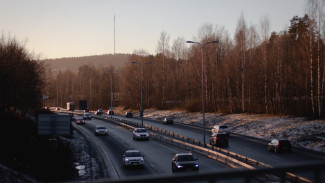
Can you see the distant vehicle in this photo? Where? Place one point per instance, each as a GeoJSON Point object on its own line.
{"type": "Point", "coordinates": [87, 116]}
{"type": "Point", "coordinates": [184, 161]}
{"type": "Point", "coordinates": [86, 110]}
{"type": "Point", "coordinates": [80, 121]}
{"type": "Point", "coordinates": [128, 114]}
{"type": "Point", "coordinates": [83, 105]}
{"type": "Point", "coordinates": [99, 112]}
{"type": "Point", "coordinates": [279, 145]}
{"type": "Point", "coordinates": [101, 130]}
{"type": "Point", "coordinates": [70, 106]}
{"type": "Point", "coordinates": [133, 158]}
{"type": "Point", "coordinates": [73, 117]}
{"type": "Point", "coordinates": [219, 139]}
{"type": "Point", "coordinates": [110, 112]}
{"type": "Point", "coordinates": [168, 120]}
{"type": "Point", "coordinates": [221, 129]}
{"type": "Point", "coordinates": [140, 134]}
{"type": "Point", "coordinates": [57, 108]}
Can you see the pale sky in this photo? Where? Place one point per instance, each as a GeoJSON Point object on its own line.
{"type": "Point", "coordinates": [74, 28]}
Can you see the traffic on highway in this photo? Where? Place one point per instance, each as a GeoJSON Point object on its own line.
{"type": "Point", "coordinates": [156, 156]}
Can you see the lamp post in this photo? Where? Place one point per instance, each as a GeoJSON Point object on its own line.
{"type": "Point", "coordinates": [141, 110]}
{"type": "Point", "coordinates": [110, 76]}
{"type": "Point", "coordinates": [203, 106]}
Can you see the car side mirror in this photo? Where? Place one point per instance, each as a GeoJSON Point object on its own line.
{"type": "Point", "coordinates": [142, 155]}
{"type": "Point", "coordinates": [123, 156]}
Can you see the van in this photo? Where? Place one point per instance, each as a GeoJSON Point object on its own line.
{"type": "Point", "coordinates": [219, 139]}
{"type": "Point", "coordinates": [221, 129]}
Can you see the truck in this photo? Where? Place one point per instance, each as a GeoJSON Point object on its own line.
{"type": "Point", "coordinates": [82, 104]}
{"type": "Point", "coordinates": [70, 106]}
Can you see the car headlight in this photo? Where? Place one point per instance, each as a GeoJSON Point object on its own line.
{"type": "Point", "coordinates": [126, 159]}
{"type": "Point", "coordinates": [137, 135]}
{"type": "Point", "coordinates": [142, 160]}
{"type": "Point", "coordinates": [147, 134]}
{"type": "Point", "coordinates": [179, 166]}
{"type": "Point", "coordinates": [196, 165]}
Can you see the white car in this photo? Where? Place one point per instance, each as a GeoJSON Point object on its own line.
{"type": "Point", "coordinates": [133, 158]}
{"type": "Point", "coordinates": [140, 134]}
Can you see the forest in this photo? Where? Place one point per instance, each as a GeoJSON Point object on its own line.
{"type": "Point", "coordinates": [256, 71]}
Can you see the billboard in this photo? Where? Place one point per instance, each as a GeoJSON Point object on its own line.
{"type": "Point", "coordinates": [54, 125]}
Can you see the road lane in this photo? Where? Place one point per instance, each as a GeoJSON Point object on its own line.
{"type": "Point", "coordinates": [157, 155]}
{"type": "Point", "coordinates": [249, 147]}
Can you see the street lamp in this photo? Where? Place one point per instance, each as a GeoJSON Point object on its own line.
{"type": "Point", "coordinates": [110, 74]}
{"type": "Point", "coordinates": [141, 110]}
{"type": "Point", "coordinates": [203, 107]}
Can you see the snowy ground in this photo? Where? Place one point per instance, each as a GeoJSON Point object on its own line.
{"type": "Point", "coordinates": [309, 134]}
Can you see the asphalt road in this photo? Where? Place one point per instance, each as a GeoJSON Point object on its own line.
{"type": "Point", "coordinates": [249, 147]}
{"type": "Point", "coordinates": [158, 155]}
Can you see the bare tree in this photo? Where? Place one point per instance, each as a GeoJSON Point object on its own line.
{"type": "Point", "coordinates": [162, 48]}
{"type": "Point", "coordinates": [265, 32]}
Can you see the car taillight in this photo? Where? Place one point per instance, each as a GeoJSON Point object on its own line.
{"type": "Point", "coordinates": [226, 138]}
{"type": "Point", "coordinates": [278, 143]}
{"type": "Point", "coordinates": [216, 139]}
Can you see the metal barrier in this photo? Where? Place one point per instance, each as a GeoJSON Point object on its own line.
{"type": "Point", "coordinates": [235, 175]}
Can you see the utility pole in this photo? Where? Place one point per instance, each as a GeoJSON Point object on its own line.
{"type": "Point", "coordinates": [114, 34]}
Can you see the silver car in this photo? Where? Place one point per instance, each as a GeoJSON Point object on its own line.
{"type": "Point", "coordinates": [101, 130]}
{"type": "Point", "coordinates": [140, 134]}
{"type": "Point", "coordinates": [133, 158]}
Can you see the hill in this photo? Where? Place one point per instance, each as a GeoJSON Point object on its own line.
{"type": "Point", "coordinates": [73, 63]}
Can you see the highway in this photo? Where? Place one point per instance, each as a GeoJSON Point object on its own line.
{"type": "Point", "coordinates": [249, 147]}
{"type": "Point", "coordinates": [158, 155]}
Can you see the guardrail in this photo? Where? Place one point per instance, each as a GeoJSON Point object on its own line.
{"type": "Point", "coordinates": [221, 155]}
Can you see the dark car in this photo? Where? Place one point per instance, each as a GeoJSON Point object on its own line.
{"type": "Point", "coordinates": [279, 145]}
{"type": "Point", "coordinates": [87, 116]}
{"type": "Point", "coordinates": [219, 139]}
{"type": "Point", "coordinates": [168, 120]}
{"type": "Point", "coordinates": [128, 114]}
{"type": "Point", "coordinates": [110, 112]}
{"type": "Point", "coordinates": [73, 117]}
{"type": "Point", "coordinates": [184, 162]}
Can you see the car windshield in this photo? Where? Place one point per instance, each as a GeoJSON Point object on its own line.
{"type": "Point", "coordinates": [141, 130]}
{"type": "Point", "coordinates": [185, 158]}
{"type": "Point", "coordinates": [284, 142]}
{"type": "Point", "coordinates": [101, 128]}
{"type": "Point", "coordinates": [133, 154]}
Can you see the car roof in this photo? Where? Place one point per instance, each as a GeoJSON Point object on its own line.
{"type": "Point", "coordinates": [132, 150]}
{"type": "Point", "coordinates": [182, 154]}
{"type": "Point", "coordinates": [140, 129]}
{"type": "Point", "coordinates": [100, 127]}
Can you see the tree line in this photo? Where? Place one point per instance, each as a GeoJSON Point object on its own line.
{"type": "Point", "coordinates": [21, 77]}
{"type": "Point", "coordinates": [257, 71]}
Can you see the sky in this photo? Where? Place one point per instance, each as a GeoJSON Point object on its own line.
{"type": "Point", "coordinates": [75, 28]}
